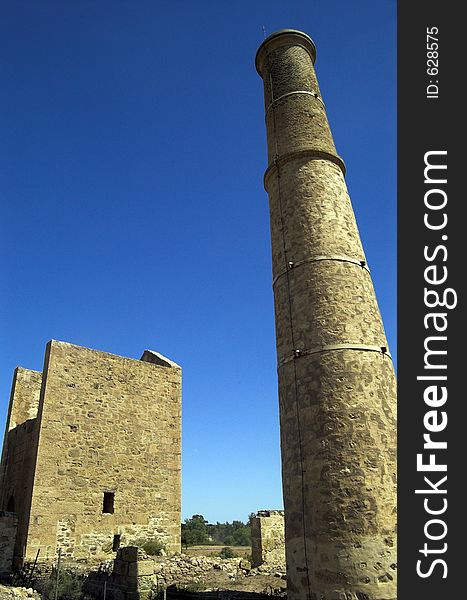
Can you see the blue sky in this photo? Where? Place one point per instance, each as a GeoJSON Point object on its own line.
{"type": "Point", "coordinates": [133, 214]}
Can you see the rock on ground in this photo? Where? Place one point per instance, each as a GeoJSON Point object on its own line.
{"type": "Point", "coordinates": [8, 592]}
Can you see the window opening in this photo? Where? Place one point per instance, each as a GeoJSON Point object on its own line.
{"type": "Point", "coordinates": [108, 504]}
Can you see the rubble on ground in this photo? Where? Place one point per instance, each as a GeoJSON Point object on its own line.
{"type": "Point", "coordinates": [18, 593]}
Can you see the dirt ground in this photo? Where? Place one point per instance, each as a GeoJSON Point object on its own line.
{"type": "Point", "coordinates": [255, 581]}
{"type": "Point", "coordinates": [259, 584]}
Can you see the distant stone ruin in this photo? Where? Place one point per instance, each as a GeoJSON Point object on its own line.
{"type": "Point", "coordinates": [268, 539]}
{"type": "Point", "coordinates": [91, 457]}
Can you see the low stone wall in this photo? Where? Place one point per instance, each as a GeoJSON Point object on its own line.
{"type": "Point", "coordinates": [136, 576]}
{"type": "Point", "coordinates": [133, 575]}
{"type": "Point", "coordinates": [182, 569]}
{"type": "Point", "coordinates": [268, 539]}
{"type": "Point", "coordinates": [8, 525]}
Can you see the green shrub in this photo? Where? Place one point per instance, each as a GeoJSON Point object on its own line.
{"type": "Point", "coordinates": [152, 547]}
{"type": "Point", "coordinates": [70, 586]}
{"type": "Point", "coordinates": [227, 553]}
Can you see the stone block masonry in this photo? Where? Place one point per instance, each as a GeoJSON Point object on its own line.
{"type": "Point", "coordinates": [20, 448]}
{"type": "Point", "coordinates": [131, 577]}
{"type": "Point", "coordinates": [8, 525]}
{"type": "Point", "coordinates": [103, 464]}
{"type": "Point", "coordinates": [268, 539]}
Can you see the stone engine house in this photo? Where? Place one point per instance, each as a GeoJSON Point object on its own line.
{"type": "Point", "coordinates": [92, 454]}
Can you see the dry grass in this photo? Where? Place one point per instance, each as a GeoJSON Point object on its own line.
{"type": "Point", "coordinates": [240, 551]}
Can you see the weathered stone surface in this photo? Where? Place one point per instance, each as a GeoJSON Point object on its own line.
{"type": "Point", "coordinates": [336, 379]}
{"type": "Point", "coordinates": [20, 449]}
{"type": "Point", "coordinates": [106, 426]}
{"type": "Point", "coordinates": [268, 539]}
{"type": "Point", "coordinates": [8, 525]}
{"type": "Point", "coordinates": [26, 389]}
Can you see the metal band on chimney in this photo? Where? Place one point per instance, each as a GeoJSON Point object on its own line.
{"type": "Point", "coordinates": [309, 153]}
{"type": "Point", "coordinates": [306, 92]}
{"type": "Point", "coordinates": [293, 265]}
{"type": "Point", "coordinates": [332, 347]}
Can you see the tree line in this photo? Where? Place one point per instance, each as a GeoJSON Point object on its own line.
{"type": "Point", "coordinates": [196, 531]}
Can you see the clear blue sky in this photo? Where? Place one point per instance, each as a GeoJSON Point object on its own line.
{"type": "Point", "coordinates": [133, 214]}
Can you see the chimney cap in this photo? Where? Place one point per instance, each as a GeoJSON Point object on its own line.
{"type": "Point", "coordinates": [280, 38]}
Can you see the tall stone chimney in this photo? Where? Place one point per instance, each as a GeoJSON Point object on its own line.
{"type": "Point", "coordinates": [336, 380]}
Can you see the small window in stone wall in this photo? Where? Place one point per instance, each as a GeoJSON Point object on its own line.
{"type": "Point", "coordinates": [108, 505]}
{"type": "Point", "coordinates": [116, 542]}
{"type": "Point", "coordinates": [11, 504]}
